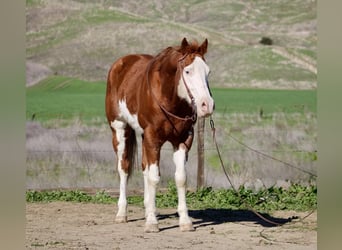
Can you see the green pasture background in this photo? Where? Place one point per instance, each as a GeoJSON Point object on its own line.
{"type": "Point", "coordinates": [65, 98]}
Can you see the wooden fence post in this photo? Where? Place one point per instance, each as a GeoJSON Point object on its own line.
{"type": "Point", "coordinates": [200, 152]}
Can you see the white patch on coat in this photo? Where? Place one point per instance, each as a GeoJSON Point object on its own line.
{"type": "Point", "coordinates": [131, 119]}
{"type": "Point", "coordinates": [119, 127]}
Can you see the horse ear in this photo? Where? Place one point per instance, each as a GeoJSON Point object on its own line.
{"type": "Point", "coordinates": [203, 48]}
{"type": "Point", "coordinates": [184, 43]}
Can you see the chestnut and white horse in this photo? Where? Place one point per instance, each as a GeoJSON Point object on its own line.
{"type": "Point", "coordinates": [158, 97]}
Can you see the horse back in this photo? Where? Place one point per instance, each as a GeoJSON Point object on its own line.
{"type": "Point", "coordinates": [124, 82]}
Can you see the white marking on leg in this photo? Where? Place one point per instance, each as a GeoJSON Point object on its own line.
{"type": "Point", "coordinates": [146, 197]}
{"type": "Point", "coordinates": [180, 178]}
{"type": "Point", "coordinates": [151, 180]}
{"type": "Point", "coordinates": [119, 127]}
{"type": "Point", "coordinates": [122, 203]}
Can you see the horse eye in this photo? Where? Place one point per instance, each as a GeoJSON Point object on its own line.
{"type": "Point", "coordinates": [187, 71]}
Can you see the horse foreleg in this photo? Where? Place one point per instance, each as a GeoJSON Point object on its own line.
{"type": "Point", "coordinates": [151, 179]}
{"type": "Point", "coordinates": [179, 157]}
{"type": "Point", "coordinates": [150, 160]}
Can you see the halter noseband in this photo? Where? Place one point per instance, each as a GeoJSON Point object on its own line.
{"type": "Point", "coordinates": [180, 66]}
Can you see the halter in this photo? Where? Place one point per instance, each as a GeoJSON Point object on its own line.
{"type": "Point", "coordinates": [180, 66]}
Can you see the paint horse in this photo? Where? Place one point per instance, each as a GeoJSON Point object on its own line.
{"type": "Point", "coordinates": [158, 98]}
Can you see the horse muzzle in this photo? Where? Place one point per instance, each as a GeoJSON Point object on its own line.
{"type": "Point", "coordinates": [205, 107]}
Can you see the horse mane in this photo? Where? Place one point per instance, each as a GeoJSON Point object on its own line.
{"type": "Point", "coordinates": [192, 48]}
{"type": "Point", "coordinates": [168, 55]}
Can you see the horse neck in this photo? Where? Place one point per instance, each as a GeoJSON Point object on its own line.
{"type": "Point", "coordinates": [166, 87]}
{"type": "Point", "coordinates": [169, 81]}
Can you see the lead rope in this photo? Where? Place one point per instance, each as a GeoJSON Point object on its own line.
{"type": "Point", "coordinates": [249, 207]}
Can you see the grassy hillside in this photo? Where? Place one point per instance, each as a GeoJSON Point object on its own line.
{"type": "Point", "coordinates": [81, 39]}
{"type": "Point", "coordinates": [67, 98]}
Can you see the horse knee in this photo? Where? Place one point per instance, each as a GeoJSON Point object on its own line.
{"type": "Point", "coordinates": [180, 178]}
{"type": "Point", "coordinates": [179, 160]}
{"type": "Point", "coordinates": [153, 175]}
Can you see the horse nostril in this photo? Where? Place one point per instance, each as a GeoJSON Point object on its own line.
{"type": "Point", "coordinates": [204, 106]}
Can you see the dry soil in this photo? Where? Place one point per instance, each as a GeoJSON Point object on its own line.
{"type": "Point", "coordinates": [67, 225]}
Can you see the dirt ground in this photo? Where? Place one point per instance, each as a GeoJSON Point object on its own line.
{"type": "Point", "coordinates": [67, 225]}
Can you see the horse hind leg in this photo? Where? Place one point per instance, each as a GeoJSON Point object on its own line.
{"type": "Point", "coordinates": [121, 136]}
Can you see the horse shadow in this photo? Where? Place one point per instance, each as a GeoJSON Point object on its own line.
{"type": "Point", "coordinates": [211, 216]}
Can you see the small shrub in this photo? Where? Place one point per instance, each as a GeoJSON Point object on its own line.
{"type": "Point", "coordinates": [266, 41]}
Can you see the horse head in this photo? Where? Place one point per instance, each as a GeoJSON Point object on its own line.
{"type": "Point", "coordinates": [193, 77]}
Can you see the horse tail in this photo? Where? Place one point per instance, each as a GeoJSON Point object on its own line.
{"type": "Point", "coordinates": [132, 151]}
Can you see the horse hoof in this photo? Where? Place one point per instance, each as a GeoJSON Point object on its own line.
{"type": "Point", "coordinates": [151, 228]}
{"type": "Point", "coordinates": [120, 219]}
{"type": "Point", "coordinates": [186, 227]}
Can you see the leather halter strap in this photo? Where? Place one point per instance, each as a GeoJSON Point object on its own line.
{"type": "Point", "coordinates": [180, 66]}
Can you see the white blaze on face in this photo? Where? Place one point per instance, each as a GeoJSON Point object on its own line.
{"type": "Point", "coordinates": [196, 78]}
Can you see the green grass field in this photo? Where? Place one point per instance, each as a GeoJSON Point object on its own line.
{"type": "Point", "coordinates": [270, 101]}
{"type": "Point", "coordinates": [67, 98]}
